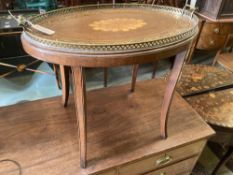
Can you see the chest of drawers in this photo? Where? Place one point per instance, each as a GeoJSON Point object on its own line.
{"type": "Point", "coordinates": [213, 35]}
{"type": "Point", "coordinates": [121, 142]}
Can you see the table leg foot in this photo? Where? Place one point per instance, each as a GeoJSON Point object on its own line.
{"type": "Point", "coordinates": [80, 104]}
{"type": "Point", "coordinates": [64, 71]}
{"type": "Point", "coordinates": [171, 84]}
{"type": "Point", "coordinates": [134, 77]}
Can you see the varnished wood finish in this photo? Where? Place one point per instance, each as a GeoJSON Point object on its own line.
{"type": "Point", "coordinates": [215, 107]}
{"type": "Point", "coordinates": [179, 168]}
{"type": "Point", "coordinates": [125, 59]}
{"type": "Point", "coordinates": [42, 137]}
{"type": "Point", "coordinates": [123, 46]}
{"type": "Point", "coordinates": [151, 163]}
{"type": "Point", "coordinates": [71, 59]}
{"type": "Point", "coordinates": [65, 82]}
{"type": "Point", "coordinates": [214, 35]}
{"type": "Point", "coordinates": [197, 79]}
{"type": "Point", "coordinates": [81, 114]}
{"type": "Point", "coordinates": [171, 84]}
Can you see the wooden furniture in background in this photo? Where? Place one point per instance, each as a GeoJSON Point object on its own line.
{"type": "Point", "coordinates": [198, 79]}
{"type": "Point", "coordinates": [216, 23]}
{"type": "Point", "coordinates": [217, 109]}
{"type": "Point", "coordinates": [224, 56]}
{"type": "Point", "coordinates": [216, 9]}
{"type": "Point", "coordinates": [111, 49]}
{"type": "Point", "coordinates": [123, 135]}
{"type": "Point", "coordinates": [212, 36]}
{"type": "Point", "coordinates": [209, 91]}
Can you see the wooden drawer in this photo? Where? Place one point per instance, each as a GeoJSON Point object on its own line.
{"type": "Point", "coordinates": [110, 172]}
{"type": "Point", "coordinates": [213, 35]}
{"type": "Point", "coordinates": [159, 160]}
{"type": "Point", "coordinates": [211, 42]}
{"type": "Point", "coordinates": [183, 167]}
{"type": "Point", "coordinates": [217, 28]}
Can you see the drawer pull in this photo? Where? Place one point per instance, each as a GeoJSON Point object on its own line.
{"type": "Point", "coordinates": [164, 160]}
{"type": "Point", "coordinates": [212, 42]}
{"type": "Point", "coordinates": [163, 173]}
{"type": "Point", "coordinates": [217, 30]}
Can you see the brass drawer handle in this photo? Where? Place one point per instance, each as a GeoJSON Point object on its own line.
{"type": "Point", "coordinates": [163, 173]}
{"type": "Point", "coordinates": [217, 30]}
{"type": "Point", "coordinates": [212, 42]}
{"type": "Point", "coordinates": [164, 160]}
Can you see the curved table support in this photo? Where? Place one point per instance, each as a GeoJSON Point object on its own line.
{"type": "Point", "coordinates": [64, 71]}
{"type": "Point", "coordinates": [169, 92]}
{"type": "Point", "coordinates": [80, 104]}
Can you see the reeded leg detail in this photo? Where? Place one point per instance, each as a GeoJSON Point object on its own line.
{"type": "Point", "coordinates": [80, 104]}
{"type": "Point", "coordinates": [171, 84]}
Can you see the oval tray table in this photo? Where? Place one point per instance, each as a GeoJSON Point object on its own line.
{"type": "Point", "coordinates": [112, 35]}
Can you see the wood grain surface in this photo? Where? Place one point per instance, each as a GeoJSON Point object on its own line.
{"type": "Point", "coordinates": [226, 60]}
{"type": "Point", "coordinates": [199, 78]}
{"type": "Point", "coordinates": [42, 136]}
{"type": "Point", "coordinates": [215, 107]}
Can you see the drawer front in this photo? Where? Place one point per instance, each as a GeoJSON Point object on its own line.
{"type": "Point", "coordinates": [211, 28]}
{"type": "Point", "coordinates": [159, 160]}
{"type": "Point", "coordinates": [213, 35]}
{"type": "Point", "coordinates": [110, 172]}
{"type": "Point", "coordinates": [183, 167]}
{"type": "Point", "coordinates": [211, 42]}
{"type": "Point", "coordinates": [217, 28]}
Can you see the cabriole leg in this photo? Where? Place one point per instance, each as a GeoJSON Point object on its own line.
{"type": "Point", "coordinates": [171, 84]}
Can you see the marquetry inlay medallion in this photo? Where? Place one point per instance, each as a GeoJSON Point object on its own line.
{"type": "Point", "coordinates": [117, 24]}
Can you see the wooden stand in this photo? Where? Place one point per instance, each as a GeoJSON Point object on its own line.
{"type": "Point", "coordinates": [86, 49]}
{"type": "Point", "coordinates": [122, 129]}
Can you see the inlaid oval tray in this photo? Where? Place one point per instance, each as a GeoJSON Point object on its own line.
{"type": "Point", "coordinates": [113, 28]}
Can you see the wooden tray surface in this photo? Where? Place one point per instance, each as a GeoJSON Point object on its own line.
{"type": "Point", "coordinates": [114, 28]}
